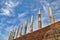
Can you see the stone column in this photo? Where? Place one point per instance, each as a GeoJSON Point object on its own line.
{"type": "Point", "coordinates": [51, 15]}
{"type": "Point", "coordinates": [21, 30]}
{"type": "Point", "coordinates": [17, 31]}
{"type": "Point", "coordinates": [39, 20]}
{"type": "Point", "coordinates": [11, 37]}
{"type": "Point", "coordinates": [25, 27]}
{"type": "Point", "coordinates": [31, 23]}
{"type": "Point", "coordinates": [14, 32]}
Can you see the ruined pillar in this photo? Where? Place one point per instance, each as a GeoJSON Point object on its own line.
{"type": "Point", "coordinates": [11, 37]}
{"type": "Point", "coordinates": [31, 23]}
{"type": "Point", "coordinates": [51, 15]}
{"type": "Point", "coordinates": [39, 20]}
{"type": "Point", "coordinates": [25, 27]}
{"type": "Point", "coordinates": [14, 32]}
{"type": "Point", "coordinates": [21, 30]}
{"type": "Point", "coordinates": [17, 31]}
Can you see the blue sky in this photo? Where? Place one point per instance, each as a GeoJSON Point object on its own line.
{"type": "Point", "coordinates": [15, 12]}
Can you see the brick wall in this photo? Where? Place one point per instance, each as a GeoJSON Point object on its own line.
{"type": "Point", "coordinates": [38, 34]}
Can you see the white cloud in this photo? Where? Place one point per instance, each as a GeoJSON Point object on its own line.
{"type": "Point", "coordinates": [11, 4]}
{"type": "Point", "coordinates": [6, 12]}
{"type": "Point", "coordinates": [35, 9]}
{"type": "Point", "coordinates": [22, 14]}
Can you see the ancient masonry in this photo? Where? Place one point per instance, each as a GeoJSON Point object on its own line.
{"type": "Point", "coordinates": [50, 32]}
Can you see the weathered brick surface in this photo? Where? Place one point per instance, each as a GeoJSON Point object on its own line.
{"type": "Point", "coordinates": [39, 34]}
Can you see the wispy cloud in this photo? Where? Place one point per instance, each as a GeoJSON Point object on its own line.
{"type": "Point", "coordinates": [5, 12]}
{"type": "Point", "coordinates": [8, 8]}
{"type": "Point", "coordinates": [11, 4]}
{"type": "Point", "coordinates": [22, 14]}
